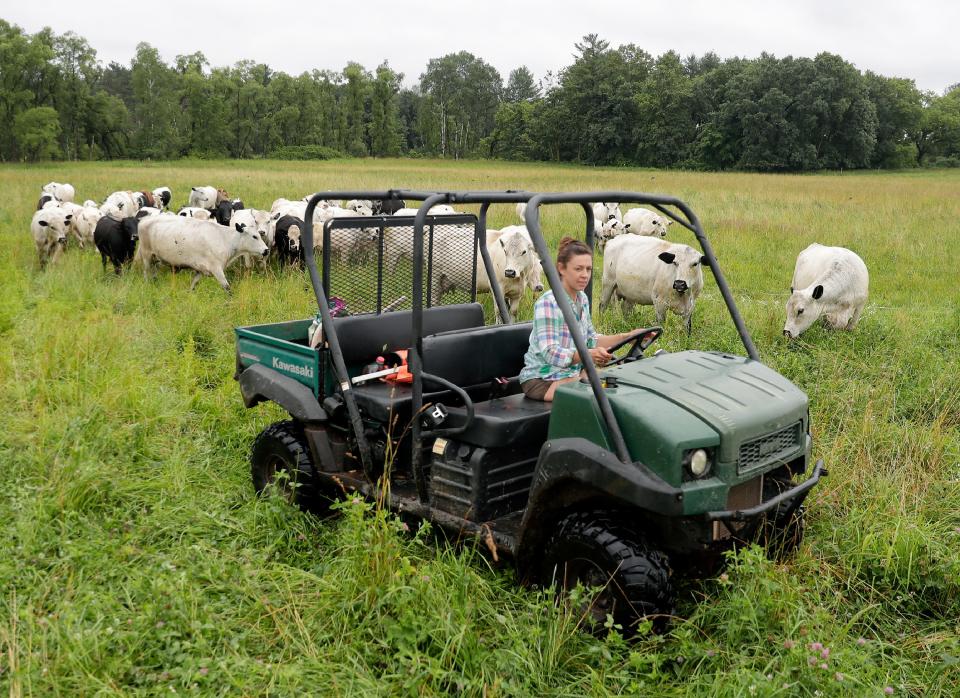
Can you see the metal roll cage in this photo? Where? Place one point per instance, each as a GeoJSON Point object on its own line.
{"type": "Point", "coordinates": [673, 208]}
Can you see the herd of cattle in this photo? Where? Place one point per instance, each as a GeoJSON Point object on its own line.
{"type": "Point", "coordinates": [213, 230]}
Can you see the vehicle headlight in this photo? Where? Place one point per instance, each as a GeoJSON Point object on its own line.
{"type": "Point", "coordinates": [698, 462]}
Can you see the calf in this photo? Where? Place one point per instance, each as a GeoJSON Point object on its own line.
{"type": "Point", "coordinates": [85, 223]}
{"type": "Point", "coordinates": [250, 220]}
{"type": "Point", "coordinates": [828, 282]}
{"type": "Point", "coordinates": [49, 227]}
{"type": "Point", "coordinates": [204, 246]}
{"type": "Point", "coordinates": [203, 197]}
{"type": "Point", "coordinates": [650, 271]}
{"type": "Point", "coordinates": [116, 240]}
{"type": "Point", "coordinates": [287, 240]}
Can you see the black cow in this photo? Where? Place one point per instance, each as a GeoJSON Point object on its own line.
{"type": "Point", "coordinates": [116, 240]}
{"type": "Point", "coordinates": [387, 207]}
{"type": "Point", "coordinates": [225, 209]}
{"type": "Point", "coordinates": [288, 243]}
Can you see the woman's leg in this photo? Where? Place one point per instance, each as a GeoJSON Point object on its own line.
{"type": "Point", "coordinates": [553, 388]}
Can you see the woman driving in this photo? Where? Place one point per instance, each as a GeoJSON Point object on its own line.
{"type": "Point", "coordinates": [552, 358]}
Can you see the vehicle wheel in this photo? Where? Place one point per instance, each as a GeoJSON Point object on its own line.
{"type": "Point", "coordinates": [592, 549]}
{"type": "Point", "coordinates": [782, 531]}
{"type": "Point", "coordinates": [281, 459]}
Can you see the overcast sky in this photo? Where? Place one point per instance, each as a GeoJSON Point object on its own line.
{"type": "Point", "coordinates": [906, 38]}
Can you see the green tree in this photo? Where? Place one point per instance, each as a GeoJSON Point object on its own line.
{"type": "Point", "coordinates": [521, 86]}
{"type": "Point", "coordinates": [25, 67]}
{"type": "Point", "coordinates": [356, 92]}
{"type": "Point", "coordinates": [156, 105]}
{"type": "Point", "coordinates": [77, 64]}
{"type": "Point", "coordinates": [899, 106]}
{"type": "Point", "coordinates": [385, 126]}
{"type": "Point", "coordinates": [36, 131]}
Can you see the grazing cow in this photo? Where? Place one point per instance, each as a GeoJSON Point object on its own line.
{"type": "Point", "coordinates": [828, 282]}
{"type": "Point", "coordinates": [162, 196]}
{"type": "Point", "coordinates": [605, 211]}
{"type": "Point", "coordinates": [650, 271]}
{"type": "Point", "coordinates": [116, 240]}
{"type": "Point", "coordinates": [203, 197]}
{"type": "Point", "coordinates": [287, 240]}
{"type": "Point", "coordinates": [61, 192]}
{"type": "Point", "coordinates": [49, 227]}
{"type": "Point", "coordinates": [123, 201]}
{"type": "Point", "coordinates": [512, 255]}
{"type": "Point", "coordinates": [204, 246]}
{"type": "Point", "coordinates": [225, 209]}
{"type": "Point", "coordinates": [643, 221]}
{"type": "Point", "coordinates": [90, 203]}
{"type": "Point", "coordinates": [85, 223]}
{"type": "Point", "coordinates": [605, 232]}
{"type": "Point", "coordinates": [201, 214]}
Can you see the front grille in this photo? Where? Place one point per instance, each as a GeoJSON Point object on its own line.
{"type": "Point", "coordinates": [769, 449]}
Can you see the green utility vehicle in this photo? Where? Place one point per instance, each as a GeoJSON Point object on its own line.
{"type": "Point", "coordinates": [649, 468]}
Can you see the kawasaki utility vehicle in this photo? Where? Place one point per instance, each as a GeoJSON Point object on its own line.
{"type": "Point", "coordinates": [653, 466]}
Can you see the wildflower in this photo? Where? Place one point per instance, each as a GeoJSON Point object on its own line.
{"type": "Point", "coordinates": [405, 526]}
{"type": "Point", "coordinates": [160, 624]}
{"type": "Point", "coordinates": [816, 646]}
{"type": "Point", "coordinates": [838, 676]}
{"type": "Point", "coordinates": [788, 644]}
{"type": "Point", "coordinates": [861, 641]}
{"type": "Point", "coordinates": [811, 661]}
{"type": "Point", "coordinates": [356, 500]}
{"type": "Point", "coordinates": [204, 671]}
{"type": "Point", "coordinates": [711, 653]}
{"type": "Point", "coordinates": [888, 690]}
{"type": "Point", "coordinates": [825, 653]}
{"type": "Point", "coordinates": [724, 577]}
{"type": "Point", "coordinates": [824, 666]}
{"type": "Point", "coordinates": [425, 577]}
{"type": "Point", "coordinates": [769, 677]}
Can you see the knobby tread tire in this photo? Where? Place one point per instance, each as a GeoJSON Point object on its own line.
{"type": "Point", "coordinates": [782, 531]}
{"type": "Point", "coordinates": [639, 578]}
{"type": "Point", "coordinates": [285, 441]}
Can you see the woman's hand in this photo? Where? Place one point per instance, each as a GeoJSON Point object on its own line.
{"type": "Point", "coordinates": [600, 356]}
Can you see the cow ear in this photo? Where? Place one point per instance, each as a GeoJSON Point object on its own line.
{"type": "Point", "coordinates": [704, 261]}
{"type": "Point", "coordinates": [240, 227]}
{"type": "Point", "coordinates": [667, 257]}
{"type": "Point", "coordinates": [669, 221]}
{"type": "Point", "coordinates": [501, 243]}
{"type": "Point", "coordinates": [817, 292]}
{"type": "Point", "coordinates": [626, 225]}
{"type": "Point", "coordinates": [43, 224]}
{"type": "Point", "coordinates": [68, 217]}
{"type": "Point", "coordinates": [791, 290]}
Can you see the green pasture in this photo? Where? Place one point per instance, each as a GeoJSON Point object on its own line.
{"type": "Point", "coordinates": [136, 559]}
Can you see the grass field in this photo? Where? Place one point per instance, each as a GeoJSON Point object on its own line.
{"type": "Point", "coordinates": [137, 561]}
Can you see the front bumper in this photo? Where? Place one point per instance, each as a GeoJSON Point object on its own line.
{"type": "Point", "coordinates": [795, 497]}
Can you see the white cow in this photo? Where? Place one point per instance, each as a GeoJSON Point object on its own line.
{"type": "Point", "coordinates": [122, 201]}
{"type": "Point", "coordinates": [345, 243]}
{"type": "Point", "coordinates": [204, 246]}
{"type": "Point", "coordinates": [535, 274]}
{"type": "Point", "coordinates": [203, 197]}
{"type": "Point", "coordinates": [650, 271]}
{"type": "Point", "coordinates": [248, 220]}
{"type": "Point", "coordinates": [606, 211]}
{"type": "Point", "coordinates": [72, 210]}
{"type": "Point", "coordinates": [643, 221]}
{"type": "Point", "coordinates": [61, 192]}
{"type": "Point", "coordinates": [90, 203]}
{"type": "Point", "coordinates": [85, 222]}
{"type": "Point", "coordinates": [522, 211]}
{"type": "Point", "coordinates": [201, 214]}
{"type": "Point", "coordinates": [398, 240]}
{"type": "Point", "coordinates": [605, 232]}
{"type": "Point", "coordinates": [828, 282]}
{"type": "Point", "coordinates": [511, 253]}
{"type": "Point", "coordinates": [49, 227]}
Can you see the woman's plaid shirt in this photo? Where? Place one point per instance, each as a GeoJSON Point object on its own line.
{"type": "Point", "coordinates": [550, 356]}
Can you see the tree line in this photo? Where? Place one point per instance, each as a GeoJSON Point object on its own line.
{"type": "Point", "coordinates": [611, 106]}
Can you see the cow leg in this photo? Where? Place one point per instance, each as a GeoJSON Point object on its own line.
{"type": "Point", "coordinates": [606, 295]}
{"type": "Point", "coordinates": [661, 310]}
{"type": "Point", "coordinates": [103, 260]}
{"type": "Point", "coordinates": [854, 317]}
{"type": "Point", "coordinates": [221, 279]}
{"type": "Point", "coordinates": [196, 278]}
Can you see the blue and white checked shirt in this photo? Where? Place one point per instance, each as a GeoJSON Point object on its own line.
{"type": "Point", "coordinates": [551, 350]}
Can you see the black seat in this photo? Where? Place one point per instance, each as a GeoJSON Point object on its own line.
{"type": "Point", "coordinates": [364, 337]}
{"type": "Point", "coordinates": [477, 356]}
{"type": "Point", "coordinates": [503, 422]}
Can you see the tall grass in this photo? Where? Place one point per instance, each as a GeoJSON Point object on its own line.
{"type": "Point", "coordinates": [137, 560]}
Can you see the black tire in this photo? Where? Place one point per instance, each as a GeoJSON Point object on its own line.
{"type": "Point", "coordinates": [595, 550]}
{"type": "Point", "coordinates": [280, 460]}
{"type": "Point", "coordinates": [781, 532]}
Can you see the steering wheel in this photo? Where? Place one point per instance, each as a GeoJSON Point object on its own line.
{"type": "Point", "coordinates": [641, 340]}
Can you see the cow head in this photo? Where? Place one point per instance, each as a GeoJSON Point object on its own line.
{"type": "Point", "coordinates": [684, 269]}
{"type": "Point", "coordinates": [250, 240]}
{"type": "Point", "coordinates": [803, 308]}
{"type": "Point", "coordinates": [608, 231]}
{"type": "Point", "coordinates": [519, 255]}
